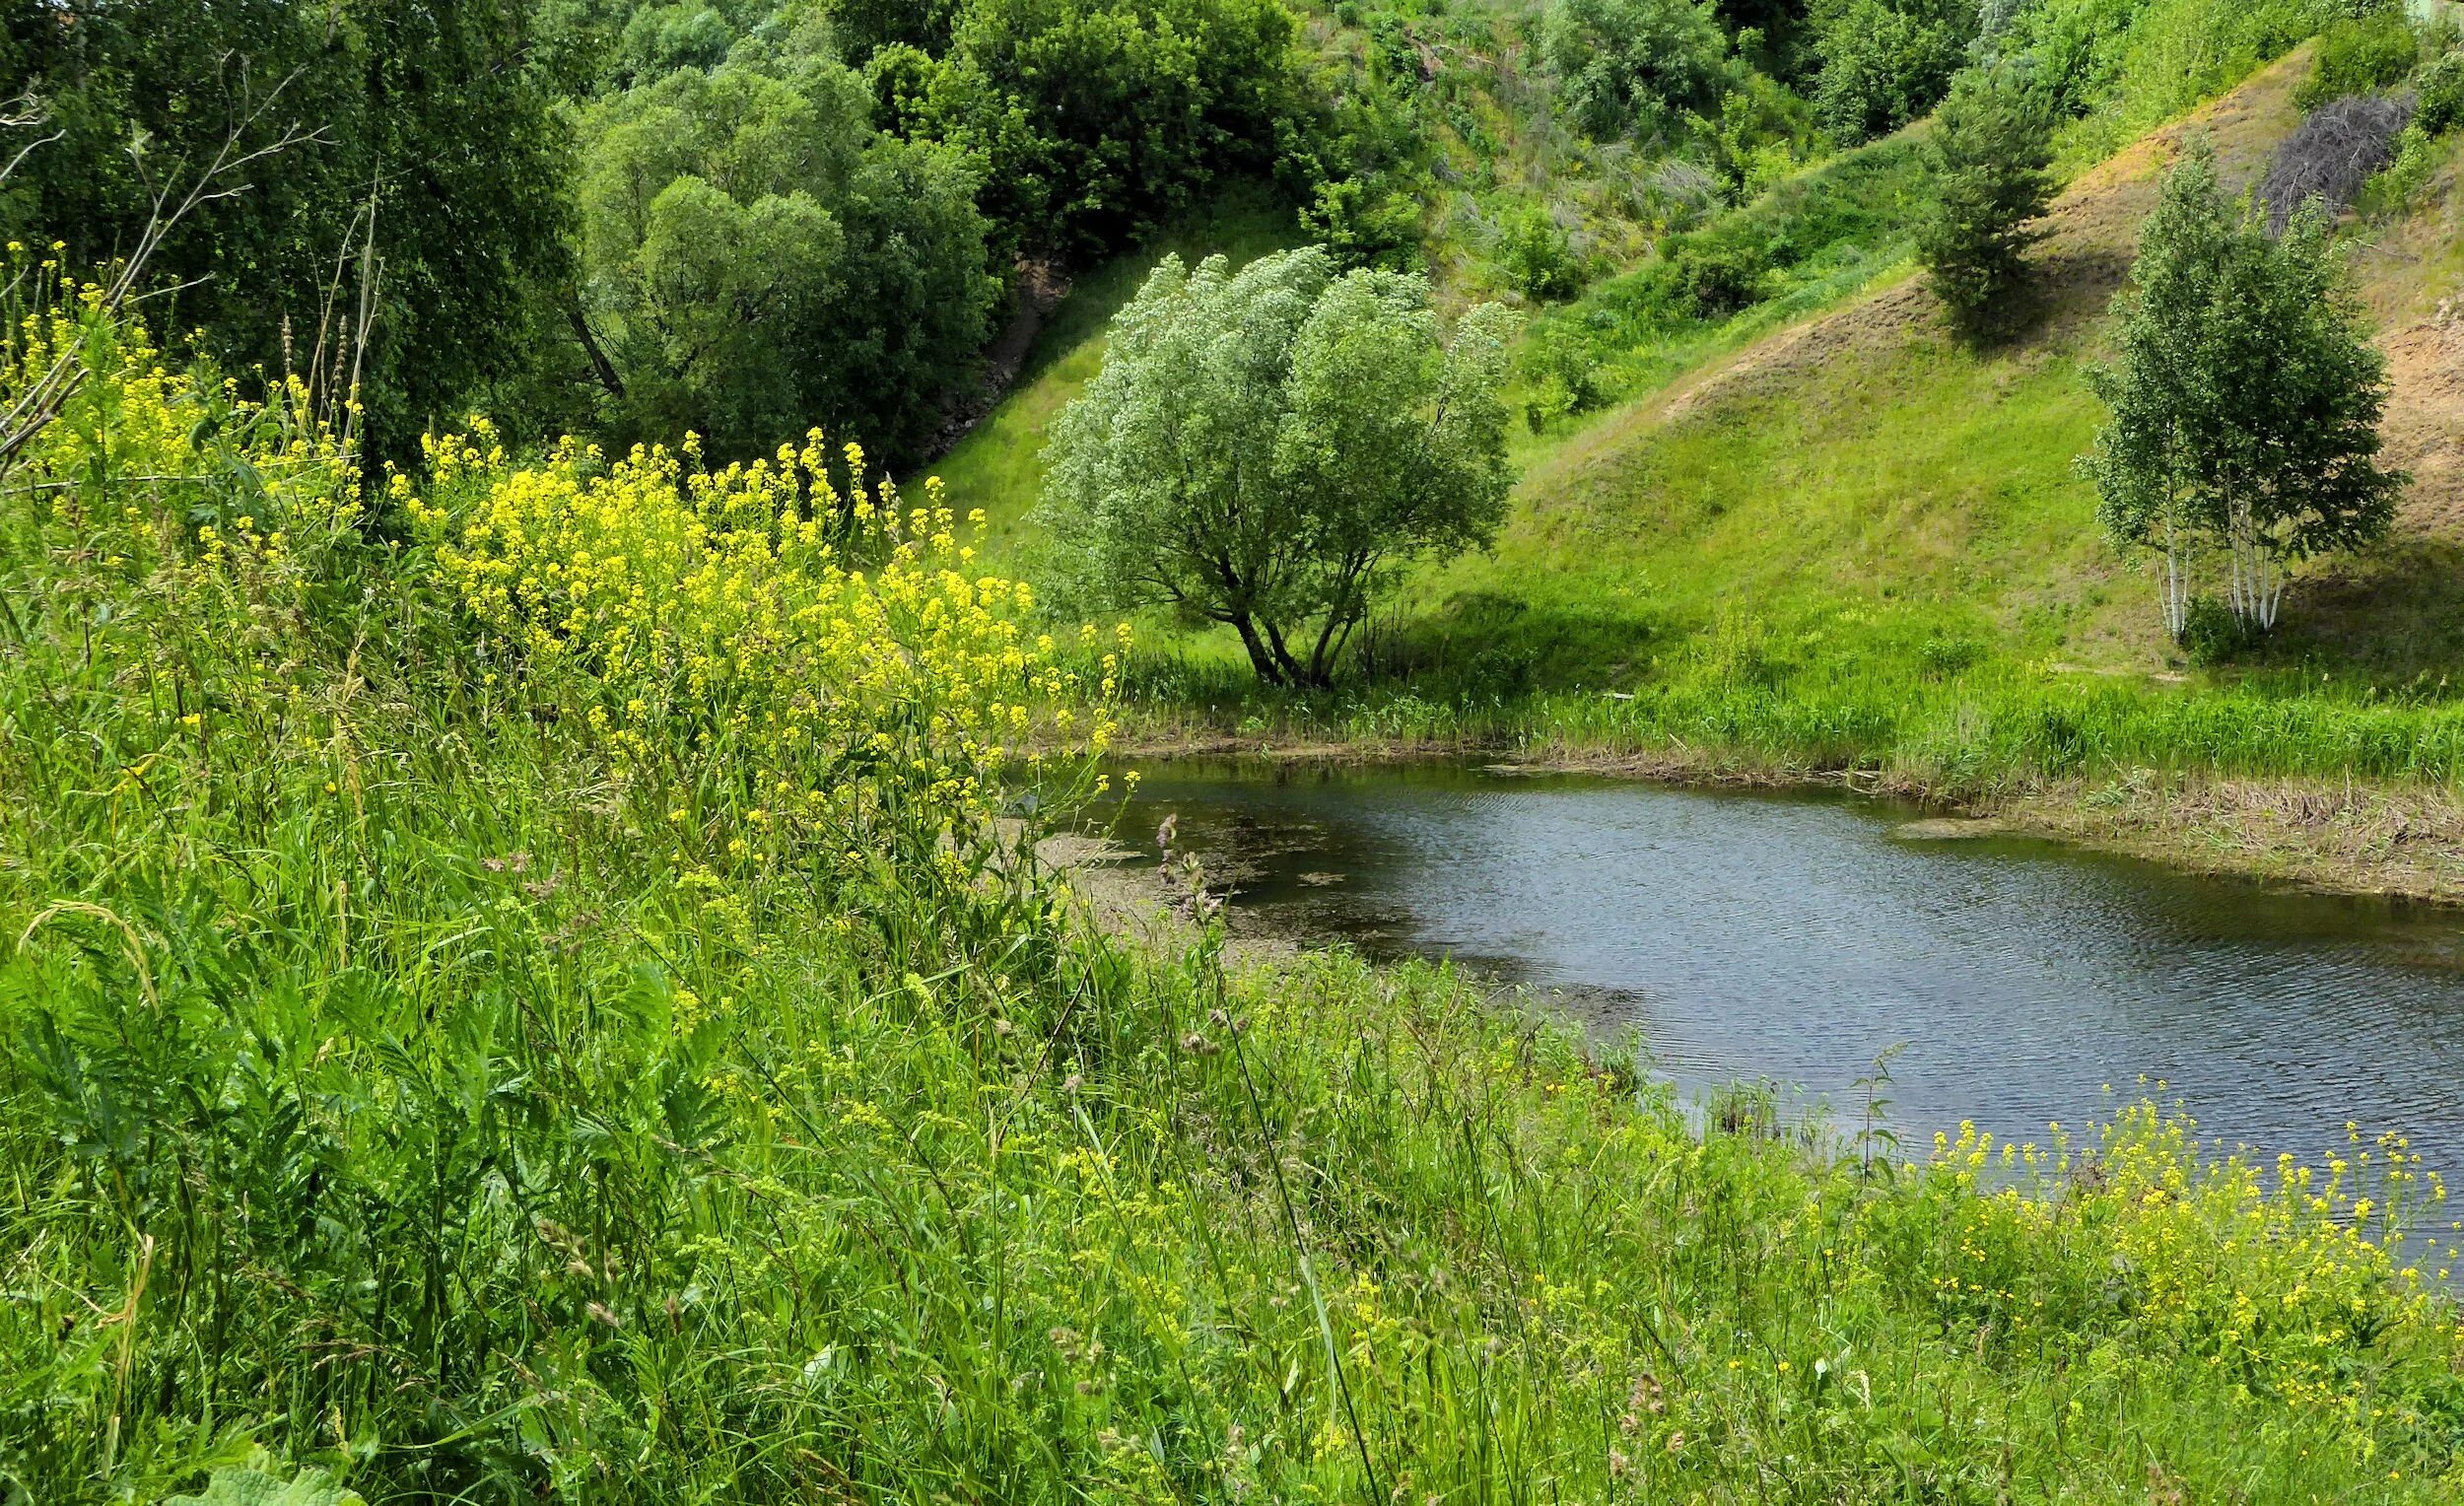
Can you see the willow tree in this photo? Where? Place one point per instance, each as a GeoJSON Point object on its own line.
{"type": "Point", "coordinates": [2244, 401]}
{"type": "Point", "coordinates": [1263, 448]}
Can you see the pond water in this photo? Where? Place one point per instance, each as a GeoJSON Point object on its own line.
{"type": "Point", "coordinates": [1794, 937]}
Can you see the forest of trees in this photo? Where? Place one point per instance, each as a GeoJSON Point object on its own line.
{"type": "Point", "coordinates": [746, 217]}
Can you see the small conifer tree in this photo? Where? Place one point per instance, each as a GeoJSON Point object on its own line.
{"type": "Point", "coordinates": [1991, 146]}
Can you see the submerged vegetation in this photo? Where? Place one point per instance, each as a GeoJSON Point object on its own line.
{"type": "Point", "coordinates": [488, 1020]}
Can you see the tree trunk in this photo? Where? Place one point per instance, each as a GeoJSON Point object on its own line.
{"type": "Point", "coordinates": [2176, 582]}
{"type": "Point", "coordinates": [600, 366]}
{"type": "Point", "coordinates": [1294, 671]}
{"type": "Point", "coordinates": [1259, 659]}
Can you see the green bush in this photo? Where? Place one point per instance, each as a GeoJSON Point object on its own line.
{"type": "Point", "coordinates": [1630, 67]}
{"type": "Point", "coordinates": [2439, 102]}
{"type": "Point", "coordinates": [1097, 119]}
{"type": "Point", "coordinates": [2360, 55]}
{"type": "Point", "coordinates": [1538, 257]}
{"type": "Point", "coordinates": [1717, 278]}
{"type": "Point", "coordinates": [1885, 62]}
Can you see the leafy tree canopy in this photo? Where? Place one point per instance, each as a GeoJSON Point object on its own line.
{"type": "Point", "coordinates": [2244, 401]}
{"type": "Point", "coordinates": [425, 138]}
{"type": "Point", "coordinates": [758, 259]}
{"type": "Point", "coordinates": [1262, 448]}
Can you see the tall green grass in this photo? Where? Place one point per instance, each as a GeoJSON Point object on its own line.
{"type": "Point", "coordinates": [401, 1099]}
{"type": "Point", "coordinates": [1943, 711]}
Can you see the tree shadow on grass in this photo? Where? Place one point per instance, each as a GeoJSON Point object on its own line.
{"type": "Point", "coordinates": [1483, 644]}
{"type": "Point", "coordinates": [2394, 614]}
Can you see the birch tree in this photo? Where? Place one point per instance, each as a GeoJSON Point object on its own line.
{"type": "Point", "coordinates": [2244, 401]}
{"type": "Point", "coordinates": [1263, 448]}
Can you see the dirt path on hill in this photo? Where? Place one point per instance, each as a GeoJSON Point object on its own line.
{"type": "Point", "coordinates": [2424, 426]}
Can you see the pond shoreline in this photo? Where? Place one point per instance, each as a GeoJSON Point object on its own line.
{"type": "Point", "coordinates": [2363, 838]}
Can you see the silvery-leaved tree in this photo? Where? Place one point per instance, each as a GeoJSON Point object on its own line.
{"type": "Point", "coordinates": [1263, 448]}
{"type": "Point", "coordinates": [2244, 401]}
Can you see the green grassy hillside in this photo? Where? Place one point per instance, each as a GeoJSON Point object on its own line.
{"type": "Point", "coordinates": [1868, 479]}
{"type": "Point", "coordinates": [1855, 542]}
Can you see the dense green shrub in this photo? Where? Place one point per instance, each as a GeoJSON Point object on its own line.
{"type": "Point", "coordinates": [1538, 257]}
{"type": "Point", "coordinates": [1094, 119]}
{"type": "Point", "coordinates": [1885, 62]}
{"type": "Point", "coordinates": [2439, 106]}
{"type": "Point", "coordinates": [1630, 67]}
{"type": "Point", "coordinates": [1715, 277]}
{"type": "Point", "coordinates": [2360, 55]}
{"type": "Point", "coordinates": [1365, 221]}
{"type": "Point", "coordinates": [864, 27]}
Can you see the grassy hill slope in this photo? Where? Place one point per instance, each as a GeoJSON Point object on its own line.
{"type": "Point", "coordinates": [1863, 474]}
{"type": "Point", "coordinates": [1855, 477]}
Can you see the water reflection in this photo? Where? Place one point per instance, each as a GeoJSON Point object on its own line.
{"type": "Point", "coordinates": [1795, 937]}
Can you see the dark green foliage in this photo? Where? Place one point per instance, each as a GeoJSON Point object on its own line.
{"type": "Point", "coordinates": [2360, 55]}
{"type": "Point", "coordinates": [2438, 105]}
{"type": "Point", "coordinates": [1630, 67]}
{"type": "Point", "coordinates": [1761, 133]}
{"type": "Point", "coordinates": [1715, 277]}
{"type": "Point", "coordinates": [2212, 634]}
{"type": "Point", "coordinates": [758, 260]}
{"type": "Point", "coordinates": [1095, 119]}
{"type": "Point", "coordinates": [1366, 221]}
{"type": "Point", "coordinates": [1771, 34]}
{"type": "Point", "coordinates": [864, 27]}
{"type": "Point", "coordinates": [2244, 398]}
{"type": "Point", "coordinates": [430, 114]}
{"type": "Point", "coordinates": [1885, 62]}
{"type": "Point", "coordinates": [1538, 257]}
{"type": "Point", "coordinates": [1991, 145]}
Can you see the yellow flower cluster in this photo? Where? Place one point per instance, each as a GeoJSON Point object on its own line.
{"type": "Point", "coordinates": [810, 646]}
{"type": "Point", "coordinates": [2279, 1282]}
{"type": "Point", "coordinates": [144, 455]}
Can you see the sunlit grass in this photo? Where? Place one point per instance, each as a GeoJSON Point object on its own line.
{"type": "Point", "coordinates": [428, 1066]}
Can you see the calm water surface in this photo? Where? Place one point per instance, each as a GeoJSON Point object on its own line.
{"type": "Point", "coordinates": [1794, 937]}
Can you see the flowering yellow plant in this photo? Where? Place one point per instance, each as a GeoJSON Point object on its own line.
{"type": "Point", "coordinates": [2275, 1282]}
{"type": "Point", "coordinates": [144, 454]}
{"type": "Point", "coordinates": [812, 646]}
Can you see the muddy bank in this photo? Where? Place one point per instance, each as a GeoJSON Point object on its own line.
{"type": "Point", "coordinates": [1126, 897]}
